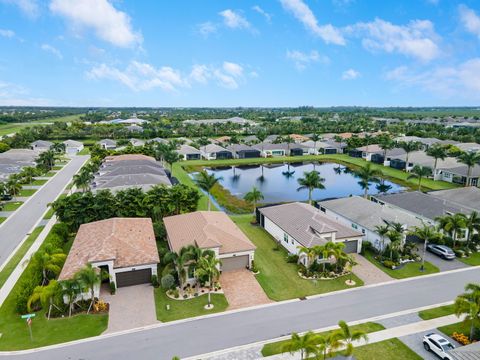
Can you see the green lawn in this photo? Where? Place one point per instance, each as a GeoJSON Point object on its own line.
{"type": "Point", "coordinates": [38, 182]}
{"type": "Point", "coordinates": [473, 260]}
{"type": "Point", "coordinates": [391, 349]}
{"type": "Point", "coordinates": [2, 219]}
{"type": "Point", "coordinates": [7, 270]}
{"type": "Point", "coordinates": [408, 270]}
{"type": "Point", "coordinates": [14, 127]}
{"type": "Point", "coordinates": [49, 174]}
{"type": "Point", "coordinates": [460, 327]}
{"type": "Point", "coordinates": [12, 206]}
{"type": "Point", "coordinates": [436, 312]}
{"type": "Point", "coordinates": [57, 167]}
{"type": "Point", "coordinates": [181, 309]}
{"type": "Point", "coordinates": [48, 215]}
{"type": "Point", "coordinates": [276, 347]}
{"type": "Point", "coordinates": [85, 151]}
{"type": "Point", "coordinates": [184, 178]}
{"type": "Point", "coordinates": [279, 279]}
{"type": "Point", "coordinates": [27, 192]}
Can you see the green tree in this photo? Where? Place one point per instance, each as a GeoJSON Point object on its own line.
{"type": "Point", "coordinates": [470, 159]}
{"type": "Point", "coordinates": [452, 224]}
{"type": "Point", "coordinates": [46, 160]}
{"type": "Point", "coordinates": [311, 254]}
{"type": "Point", "coordinates": [82, 180]}
{"type": "Point", "coordinates": [49, 261]}
{"type": "Point", "coordinates": [70, 290]}
{"type": "Point", "coordinates": [208, 267]}
{"type": "Point", "coordinates": [45, 295]}
{"type": "Point", "coordinates": [419, 172]}
{"type": "Point", "coordinates": [468, 305]}
{"type": "Point", "coordinates": [315, 138]}
{"type": "Point", "coordinates": [28, 173]}
{"type": "Point", "coordinates": [348, 337]}
{"type": "Point", "coordinates": [305, 344]}
{"type": "Point", "coordinates": [88, 278]}
{"type": "Point", "coordinates": [382, 230]}
{"type": "Point", "coordinates": [425, 234]}
{"type": "Point", "coordinates": [472, 223]}
{"type": "Point", "coordinates": [253, 197]}
{"type": "Point", "coordinates": [13, 186]}
{"type": "Point", "coordinates": [311, 180]}
{"type": "Point", "coordinates": [206, 182]}
{"type": "Point", "coordinates": [367, 174]}
{"type": "Point", "coordinates": [386, 143]}
{"type": "Point", "coordinates": [409, 147]}
{"type": "Point", "coordinates": [437, 151]}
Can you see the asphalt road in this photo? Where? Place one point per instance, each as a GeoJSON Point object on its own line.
{"type": "Point", "coordinates": [18, 225]}
{"type": "Point", "coordinates": [232, 329]}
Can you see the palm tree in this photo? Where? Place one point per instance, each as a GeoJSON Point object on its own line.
{"type": "Point", "coordinates": [472, 224]}
{"type": "Point", "coordinates": [470, 159]}
{"type": "Point", "coordinates": [327, 345]}
{"type": "Point", "coordinates": [88, 278]}
{"type": "Point", "coordinates": [13, 187]}
{"type": "Point", "coordinates": [437, 152]}
{"type": "Point", "coordinates": [323, 252]}
{"type": "Point", "coordinates": [193, 254]}
{"type": "Point", "coordinates": [337, 251]}
{"type": "Point", "coordinates": [408, 147]}
{"type": "Point", "coordinates": [82, 180]}
{"type": "Point", "coordinates": [70, 290]}
{"type": "Point", "coordinates": [367, 173]}
{"type": "Point", "coordinates": [419, 172]}
{"type": "Point", "coordinates": [49, 260]}
{"type": "Point", "coordinates": [347, 337]}
{"type": "Point", "coordinates": [382, 230]}
{"type": "Point", "coordinates": [311, 253]}
{"type": "Point", "coordinates": [59, 147]}
{"type": "Point", "coordinates": [208, 266]}
{"type": "Point", "coordinates": [452, 224]}
{"type": "Point", "coordinates": [425, 233]}
{"type": "Point", "coordinates": [206, 183]}
{"type": "Point", "coordinates": [306, 344]}
{"type": "Point", "coordinates": [311, 181]}
{"type": "Point", "coordinates": [28, 173]}
{"type": "Point", "coordinates": [386, 143]}
{"type": "Point", "coordinates": [46, 160]}
{"type": "Point", "coordinates": [468, 304]}
{"type": "Point", "coordinates": [253, 196]}
{"type": "Point", "coordinates": [395, 241]}
{"type": "Point", "coordinates": [315, 137]}
{"type": "Point", "coordinates": [46, 295]}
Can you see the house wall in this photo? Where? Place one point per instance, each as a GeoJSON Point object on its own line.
{"type": "Point", "coordinates": [251, 256]}
{"type": "Point", "coordinates": [74, 150]}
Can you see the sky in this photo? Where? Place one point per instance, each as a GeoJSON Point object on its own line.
{"type": "Point", "coordinates": [227, 53]}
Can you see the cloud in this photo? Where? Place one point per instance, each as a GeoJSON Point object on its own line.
{"type": "Point", "coordinates": [15, 95]}
{"type": "Point", "coordinates": [301, 59]}
{"type": "Point", "coordinates": [108, 23]}
{"type": "Point", "coordinates": [350, 74]}
{"type": "Point", "coordinates": [52, 50]}
{"type": "Point", "coordinates": [259, 10]}
{"type": "Point", "coordinates": [417, 39]}
{"type": "Point", "coordinates": [470, 20]}
{"type": "Point", "coordinates": [234, 20]}
{"type": "Point", "coordinates": [207, 28]}
{"type": "Point", "coordinates": [233, 69]}
{"type": "Point", "coordinates": [28, 7]}
{"type": "Point", "coordinates": [304, 14]}
{"type": "Point", "coordinates": [7, 33]}
{"type": "Point", "coordinates": [446, 81]}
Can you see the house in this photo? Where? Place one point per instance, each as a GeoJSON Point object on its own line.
{"type": "Point", "coordinates": [221, 140]}
{"type": "Point", "coordinates": [426, 142]}
{"type": "Point", "coordinates": [234, 120]}
{"type": "Point", "coordinates": [375, 153]}
{"type": "Point", "coordinates": [212, 230]}
{"type": "Point", "coordinates": [298, 138]}
{"type": "Point", "coordinates": [296, 150]}
{"type": "Point", "coordinates": [241, 151]}
{"type": "Point", "coordinates": [468, 197]}
{"type": "Point", "coordinates": [271, 150]}
{"type": "Point", "coordinates": [131, 121]}
{"type": "Point", "coordinates": [108, 144]}
{"type": "Point", "coordinates": [41, 145]}
{"type": "Point", "coordinates": [134, 128]}
{"type": "Point", "coordinates": [125, 247]}
{"type": "Point", "coordinates": [73, 147]}
{"type": "Point", "coordinates": [137, 142]}
{"type": "Point", "coordinates": [14, 160]}
{"type": "Point", "coordinates": [251, 139]}
{"type": "Point", "coordinates": [468, 147]}
{"type": "Point", "coordinates": [458, 173]}
{"type": "Point", "coordinates": [187, 152]}
{"type": "Point", "coordinates": [365, 215]}
{"type": "Point", "coordinates": [158, 141]}
{"type": "Point", "coordinates": [323, 147]}
{"type": "Point", "coordinates": [297, 225]}
{"type": "Point", "coordinates": [467, 352]}
{"type": "Point", "coordinates": [271, 138]}
{"type": "Point", "coordinates": [215, 152]}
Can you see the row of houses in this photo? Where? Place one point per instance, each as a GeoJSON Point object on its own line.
{"type": "Point", "coordinates": [71, 146]}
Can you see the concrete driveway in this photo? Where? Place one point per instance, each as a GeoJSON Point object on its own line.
{"type": "Point", "coordinates": [444, 265]}
{"type": "Point", "coordinates": [415, 343]}
{"type": "Point", "coordinates": [369, 273]}
{"type": "Point", "coordinates": [131, 307]}
{"type": "Point", "coordinates": [242, 289]}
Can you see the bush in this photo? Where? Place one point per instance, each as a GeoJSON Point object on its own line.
{"type": "Point", "coordinates": [389, 264]}
{"type": "Point", "coordinates": [167, 281]}
{"type": "Point", "coordinates": [292, 258]}
{"type": "Point", "coordinates": [367, 247]}
{"type": "Point", "coordinates": [113, 288]}
{"type": "Point", "coordinates": [176, 294]}
{"type": "Point", "coordinates": [61, 229]}
{"type": "Point", "coordinates": [254, 267]}
{"type": "Point", "coordinates": [155, 281]}
{"type": "Point", "coordinates": [459, 253]}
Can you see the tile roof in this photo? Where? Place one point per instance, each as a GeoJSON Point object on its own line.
{"type": "Point", "coordinates": [465, 196]}
{"type": "Point", "coordinates": [206, 229]}
{"type": "Point", "coordinates": [467, 352]}
{"type": "Point", "coordinates": [129, 157]}
{"type": "Point", "coordinates": [126, 241]}
{"type": "Point", "coordinates": [41, 143]}
{"type": "Point", "coordinates": [108, 142]}
{"type": "Point", "coordinates": [212, 148]}
{"type": "Point", "coordinates": [187, 149]}
{"type": "Point", "coordinates": [73, 143]}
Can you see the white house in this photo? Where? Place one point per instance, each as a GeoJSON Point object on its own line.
{"type": "Point", "coordinates": [73, 147]}
{"type": "Point", "coordinates": [271, 150]}
{"type": "Point", "coordinates": [108, 144]}
{"type": "Point", "coordinates": [215, 152]}
{"type": "Point", "coordinates": [187, 152]}
{"type": "Point", "coordinates": [41, 145]}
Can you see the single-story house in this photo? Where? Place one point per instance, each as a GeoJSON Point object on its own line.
{"type": "Point", "coordinates": [323, 147]}
{"type": "Point", "coordinates": [375, 153]}
{"type": "Point", "coordinates": [271, 150]}
{"type": "Point", "coordinates": [212, 230]}
{"type": "Point", "coordinates": [298, 224]}
{"type": "Point", "coordinates": [457, 173]}
{"type": "Point", "coordinates": [108, 144]}
{"type": "Point", "coordinates": [125, 247]}
{"type": "Point", "coordinates": [297, 149]}
{"type": "Point", "coordinates": [158, 140]}
{"type": "Point", "coordinates": [251, 139]}
{"type": "Point", "coordinates": [215, 152]}
{"type": "Point", "coordinates": [426, 142]}
{"type": "Point", "coordinates": [134, 128]}
{"type": "Point", "coordinates": [41, 145]}
{"type": "Point", "coordinates": [72, 146]}
{"type": "Point", "coordinates": [187, 152]}
{"type": "Point", "coordinates": [468, 197]}
{"type": "Point", "coordinates": [221, 140]}
{"type": "Point", "coordinates": [271, 138]}
{"type": "Point", "coordinates": [298, 138]}
{"type": "Point", "coordinates": [137, 142]}
{"type": "Point", "coordinates": [14, 160]}
{"type": "Point", "coordinates": [234, 120]}
{"type": "Point", "coordinates": [468, 147]}
{"type": "Point", "coordinates": [241, 151]}
{"type": "Point", "coordinates": [467, 352]}
{"type": "Point", "coordinates": [364, 215]}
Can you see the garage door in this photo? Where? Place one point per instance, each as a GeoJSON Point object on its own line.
{"type": "Point", "coordinates": [134, 277]}
{"type": "Point", "coordinates": [351, 246]}
{"type": "Point", "coordinates": [234, 263]}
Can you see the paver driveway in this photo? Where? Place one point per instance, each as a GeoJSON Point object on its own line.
{"type": "Point", "coordinates": [242, 289]}
{"type": "Point", "coordinates": [131, 307]}
{"type": "Point", "coordinates": [369, 273]}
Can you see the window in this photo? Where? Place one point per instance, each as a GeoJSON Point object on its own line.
{"type": "Point", "coordinates": [354, 226]}
{"type": "Point", "coordinates": [285, 237]}
{"type": "Point", "coordinates": [191, 272]}
{"type": "Point", "coordinates": [363, 231]}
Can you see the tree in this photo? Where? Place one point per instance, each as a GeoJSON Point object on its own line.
{"type": "Point", "coordinates": [386, 143]}
{"type": "Point", "coordinates": [452, 224]}
{"type": "Point", "coordinates": [13, 186]}
{"type": "Point", "coordinates": [315, 137]}
{"type": "Point", "coordinates": [206, 183]}
{"type": "Point", "coordinates": [367, 173]}
{"type": "Point", "coordinates": [395, 241]}
{"type": "Point", "coordinates": [49, 261]}
{"type": "Point", "coordinates": [70, 290]}
{"type": "Point", "coordinates": [425, 233]}
{"type": "Point", "coordinates": [327, 345]}
{"type": "Point", "coordinates": [347, 337]}
{"type": "Point", "coordinates": [82, 180]}
{"type": "Point", "coordinates": [468, 305]}
{"type": "Point", "coordinates": [409, 147]}
{"type": "Point", "coordinates": [470, 159]}
{"type": "Point", "coordinates": [46, 160]}
{"type": "Point", "coordinates": [382, 230]}
{"type": "Point", "coordinates": [419, 172]}
{"type": "Point", "coordinates": [311, 253]}
{"type": "Point", "coordinates": [45, 295]}
{"type": "Point", "coordinates": [208, 267]}
{"type": "Point", "coordinates": [437, 151]}
{"type": "Point", "coordinates": [171, 157]}
{"type": "Point", "coordinates": [28, 173]}
{"type": "Point", "coordinates": [305, 344]}
{"type": "Point", "coordinates": [472, 223]}
{"type": "Point", "coordinates": [311, 181]}
{"type": "Point", "coordinates": [253, 196]}
{"type": "Point", "coordinates": [59, 147]}
{"type": "Point", "coordinates": [88, 278]}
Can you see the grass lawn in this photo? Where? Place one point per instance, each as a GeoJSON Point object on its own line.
{"type": "Point", "coordinates": [460, 327]}
{"type": "Point", "coordinates": [84, 151]}
{"type": "Point", "coordinates": [49, 174]}
{"type": "Point", "coordinates": [12, 206]}
{"type": "Point", "coordinates": [279, 279]}
{"type": "Point", "coordinates": [184, 178]}
{"type": "Point", "coordinates": [473, 260]}
{"type": "Point", "coordinates": [436, 312]}
{"type": "Point", "coordinates": [57, 167]}
{"type": "Point", "coordinates": [2, 219]}
{"type": "Point", "coordinates": [27, 192]}
{"type": "Point", "coordinates": [7, 270]}
{"type": "Point", "coordinates": [38, 182]}
{"type": "Point", "coordinates": [181, 309]}
{"type": "Point", "coordinates": [408, 270]}
{"type": "Point", "coordinates": [48, 215]}
{"type": "Point", "coordinates": [276, 347]}
{"type": "Point", "coordinates": [11, 128]}
{"type": "Point", "coordinates": [391, 349]}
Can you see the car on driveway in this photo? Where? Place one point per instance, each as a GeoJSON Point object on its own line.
{"type": "Point", "coordinates": [441, 250]}
{"type": "Point", "coordinates": [438, 345]}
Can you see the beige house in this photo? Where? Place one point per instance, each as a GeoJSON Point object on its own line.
{"type": "Point", "coordinates": [212, 230]}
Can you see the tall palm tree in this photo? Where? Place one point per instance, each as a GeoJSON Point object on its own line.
{"type": "Point", "coordinates": [327, 345]}
{"type": "Point", "coordinates": [311, 181]}
{"type": "Point", "coordinates": [452, 224]}
{"type": "Point", "coordinates": [45, 295]}
{"type": "Point", "coordinates": [46, 160]}
{"type": "Point", "coordinates": [89, 277]}
{"type": "Point", "coordinates": [386, 143]}
{"type": "Point", "coordinates": [82, 180]}
{"type": "Point", "coordinates": [419, 172]}
{"type": "Point", "coordinates": [59, 147]}
{"type": "Point", "coordinates": [315, 137]}
{"type": "Point", "coordinates": [208, 266]}
{"type": "Point", "coordinates": [472, 224]}
{"type": "Point", "coordinates": [305, 344]}
{"type": "Point", "coordinates": [253, 196]}
{"type": "Point", "coordinates": [409, 147]}
{"type": "Point", "coordinates": [367, 173]}
{"type": "Point", "coordinates": [382, 230]}
{"type": "Point", "coordinates": [206, 183]}
{"type": "Point", "coordinates": [311, 253]}
{"type": "Point", "coordinates": [323, 252]}
{"type": "Point", "coordinates": [13, 187]}
{"type": "Point", "coordinates": [425, 233]}
{"type": "Point", "coordinates": [70, 290]}
{"type": "Point", "coordinates": [437, 152]}
{"type": "Point", "coordinates": [347, 337]}
{"type": "Point", "coordinates": [470, 159]}
{"type": "Point", "coordinates": [468, 304]}
{"type": "Point", "coordinates": [28, 173]}
{"type": "Point", "coordinates": [395, 241]}
{"type": "Point", "coordinates": [50, 261]}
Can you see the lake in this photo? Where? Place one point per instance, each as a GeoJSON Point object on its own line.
{"type": "Point", "coordinates": [279, 182]}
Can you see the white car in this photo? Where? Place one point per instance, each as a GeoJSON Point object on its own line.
{"type": "Point", "coordinates": [438, 345]}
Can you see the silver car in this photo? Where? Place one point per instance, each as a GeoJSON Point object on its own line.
{"type": "Point", "coordinates": [441, 250]}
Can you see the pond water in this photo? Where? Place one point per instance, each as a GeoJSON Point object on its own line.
{"type": "Point", "coordinates": [278, 182]}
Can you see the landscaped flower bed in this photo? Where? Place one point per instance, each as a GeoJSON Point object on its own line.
{"type": "Point", "coordinates": [191, 292]}
{"type": "Point", "coordinates": [324, 275]}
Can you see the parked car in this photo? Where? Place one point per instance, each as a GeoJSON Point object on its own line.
{"type": "Point", "coordinates": [441, 250]}
{"type": "Point", "coordinates": [438, 345]}
{"type": "Point", "coordinates": [6, 197]}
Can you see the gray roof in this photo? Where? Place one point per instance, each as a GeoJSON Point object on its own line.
{"type": "Point", "coordinates": [306, 224]}
{"type": "Point", "coordinates": [250, 138]}
{"type": "Point", "coordinates": [425, 141]}
{"type": "Point", "coordinates": [137, 142]}
{"type": "Point", "coordinates": [465, 196]}
{"type": "Point", "coordinates": [235, 120]}
{"type": "Point", "coordinates": [72, 143]}
{"type": "Point", "coordinates": [158, 140]}
{"type": "Point", "coordinates": [240, 147]}
{"type": "Point", "coordinates": [131, 169]}
{"type": "Point", "coordinates": [269, 146]}
{"type": "Point", "coordinates": [468, 146]}
{"type": "Point", "coordinates": [212, 148]}
{"type": "Point", "coordinates": [187, 149]}
{"type": "Point", "coordinates": [467, 352]}
{"type": "Point", "coordinates": [144, 181]}
{"type": "Point", "coordinates": [41, 143]}
{"type": "Point", "coordinates": [369, 214]}
{"type": "Point", "coordinates": [108, 142]}
{"type": "Point", "coordinates": [134, 128]}
{"type": "Point", "coordinates": [271, 138]}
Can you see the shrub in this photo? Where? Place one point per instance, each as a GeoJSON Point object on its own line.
{"type": "Point", "coordinates": [367, 247]}
{"type": "Point", "coordinates": [155, 281]}
{"type": "Point", "coordinates": [461, 338]}
{"type": "Point", "coordinates": [254, 267]}
{"type": "Point", "coordinates": [459, 253]}
{"type": "Point", "coordinates": [292, 258]}
{"type": "Point", "coordinates": [176, 294]}
{"type": "Point", "coordinates": [167, 281]}
{"type": "Point", "coordinates": [113, 288]}
{"type": "Point", "coordinates": [61, 229]}
{"type": "Point", "coordinates": [388, 263]}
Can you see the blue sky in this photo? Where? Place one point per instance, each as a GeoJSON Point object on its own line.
{"type": "Point", "coordinates": [240, 53]}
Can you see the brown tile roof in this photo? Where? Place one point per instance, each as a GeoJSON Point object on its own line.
{"type": "Point", "coordinates": [126, 241]}
{"type": "Point", "coordinates": [129, 157]}
{"type": "Point", "coordinates": [206, 229]}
